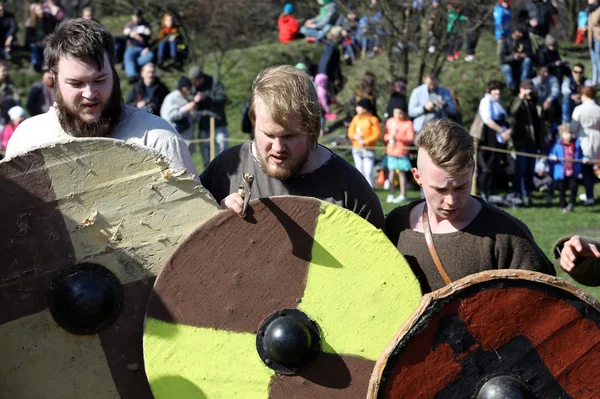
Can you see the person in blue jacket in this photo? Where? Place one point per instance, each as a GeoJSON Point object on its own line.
{"type": "Point", "coordinates": [502, 19]}
{"type": "Point", "coordinates": [565, 150]}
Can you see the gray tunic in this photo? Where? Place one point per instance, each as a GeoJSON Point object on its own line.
{"type": "Point", "coordinates": [336, 182]}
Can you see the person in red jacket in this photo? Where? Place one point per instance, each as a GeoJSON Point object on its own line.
{"type": "Point", "coordinates": [288, 25]}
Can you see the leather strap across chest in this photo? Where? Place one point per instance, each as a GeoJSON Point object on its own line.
{"type": "Point", "coordinates": [431, 246]}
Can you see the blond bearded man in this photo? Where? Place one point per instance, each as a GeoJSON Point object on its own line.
{"type": "Point", "coordinates": [285, 157]}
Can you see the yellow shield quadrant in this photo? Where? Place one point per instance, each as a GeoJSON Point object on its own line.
{"type": "Point", "coordinates": [200, 338]}
{"type": "Point", "coordinates": [86, 227]}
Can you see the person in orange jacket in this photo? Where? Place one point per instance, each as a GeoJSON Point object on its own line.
{"type": "Point", "coordinates": [288, 25]}
{"type": "Point", "coordinates": [398, 136]}
{"type": "Point", "coordinates": [364, 131]}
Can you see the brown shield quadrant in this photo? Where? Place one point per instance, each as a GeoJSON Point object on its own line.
{"type": "Point", "coordinates": [503, 329]}
{"type": "Point", "coordinates": [208, 303]}
{"type": "Point", "coordinates": [101, 202]}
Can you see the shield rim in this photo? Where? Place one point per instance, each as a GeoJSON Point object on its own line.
{"type": "Point", "coordinates": [458, 286]}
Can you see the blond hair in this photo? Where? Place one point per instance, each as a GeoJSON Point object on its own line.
{"type": "Point", "coordinates": [565, 127]}
{"type": "Point", "coordinates": [448, 144]}
{"type": "Point", "coordinates": [288, 94]}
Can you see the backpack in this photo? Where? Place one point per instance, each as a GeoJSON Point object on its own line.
{"type": "Point", "coordinates": [477, 127]}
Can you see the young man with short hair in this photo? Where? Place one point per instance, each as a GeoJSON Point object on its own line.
{"type": "Point", "coordinates": [468, 234]}
{"type": "Point", "coordinates": [285, 157]}
{"type": "Point", "coordinates": [80, 55]}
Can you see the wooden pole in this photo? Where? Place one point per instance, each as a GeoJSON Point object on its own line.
{"type": "Point", "coordinates": [474, 182]}
{"type": "Point", "coordinates": [212, 138]}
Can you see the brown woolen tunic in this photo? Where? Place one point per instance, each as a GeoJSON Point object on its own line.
{"type": "Point", "coordinates": [493, 240]}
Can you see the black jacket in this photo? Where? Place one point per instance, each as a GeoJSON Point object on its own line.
{"type": "Point", "coordinates": [330, 65]}
{"type": "Point", "coordinates": [246, 122]}
{"type": "Point", "coordinates": [542, 11]}
{"type": "Point", "coordinates": [214, 103]}
{"type": "Point", "coordinates": [8, 25]}
{"type": "Point", "coordinates": [528, 128]}
{"type": "Point", "coordinates": [511, 46]}
{"type": "Point", "coordinates": [396, 101]}
{"type": "Point", "coordinates": [547, 58]}
{"type": "Point", "coordinates": [35, 35]}
{"type": "Point", "coordinates": [138, 93]}
{"type": "Point", "coordinates": [40, 98]}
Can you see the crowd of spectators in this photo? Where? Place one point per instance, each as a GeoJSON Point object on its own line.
{"type": "Point", "coordinates": [554, 110]}
{"type": "Point", "coordinates": [549, 94]}
{"type": "Point", "coordinates": [546, 91]}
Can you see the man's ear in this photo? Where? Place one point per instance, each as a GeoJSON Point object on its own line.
{"type": "Point", "coordinates": [417, 176]}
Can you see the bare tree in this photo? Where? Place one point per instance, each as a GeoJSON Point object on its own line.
{"type": "Point", "coordinates": [569, 8]}
{"type": "Point", "coordinates": [420, 37]}
{"type": "Point", "coordinates": [232, 24]}
{"type": "Point", "coordinates": [210, 27]}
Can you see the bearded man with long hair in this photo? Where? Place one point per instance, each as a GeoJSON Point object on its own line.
{"type": "Point", "coordinates": [80, 54]}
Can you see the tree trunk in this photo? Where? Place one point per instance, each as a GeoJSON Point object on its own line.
{"type": "Point", "coordinates": [573, 7]}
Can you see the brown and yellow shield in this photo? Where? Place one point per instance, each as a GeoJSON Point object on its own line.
{"type": "Point", "coordinates": [294, 267]}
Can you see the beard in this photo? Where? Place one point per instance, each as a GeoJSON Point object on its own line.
{"type": "Point", "coordinates": [72, 122]}
{"type": "Point", "coordinates": [291, 167]}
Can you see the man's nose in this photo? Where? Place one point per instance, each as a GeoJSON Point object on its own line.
{"type": "Point", "coordinates": [451, 199]}
{"type": "Point", "coordinates": [277, 144]}
{"type": "Point", "coordinates": [89, 91]}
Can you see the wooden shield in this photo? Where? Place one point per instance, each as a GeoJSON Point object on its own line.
{"type": "Point", "coordinates": [200, 338]}
{"type": "Point", "coordinates": [529, 330]}
{"type": "Point", "coordinates": [99, 207]}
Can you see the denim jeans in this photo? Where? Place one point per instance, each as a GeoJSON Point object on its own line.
{"type": "Point", "coordinates": [587, 170]}
{"type": "Point", "coordinates": [472, 40]}
{"type": "Point", "coordinates": [568, 105]}
{"type": "Point", "coordinates": [187, 135]}
{"type": "Point", "coordinates": [455, 42]}
{"type": "Point", "coordinates": [364, 160]}
{"type": "Point", "coordinates": [221, 135]}
{"type": "Point", "coordinates": [37, 54]}
{"type": "Point", "coordinates": [134, 60]}
{"type": "Point", "coordinates": [167, 47]}
{"type": "Point", "coordinates": [365, 43]}
{"type": "Point", "coordinates": [595, 56]}
{"type": "Point", "coordinates": [524, 171]}
{"type": "Point", "coordinates": [509, 73]}
{"type": "Point", "coordinates": [348, 51]}
{"type": "Point", "coordinates": [316, 33]}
